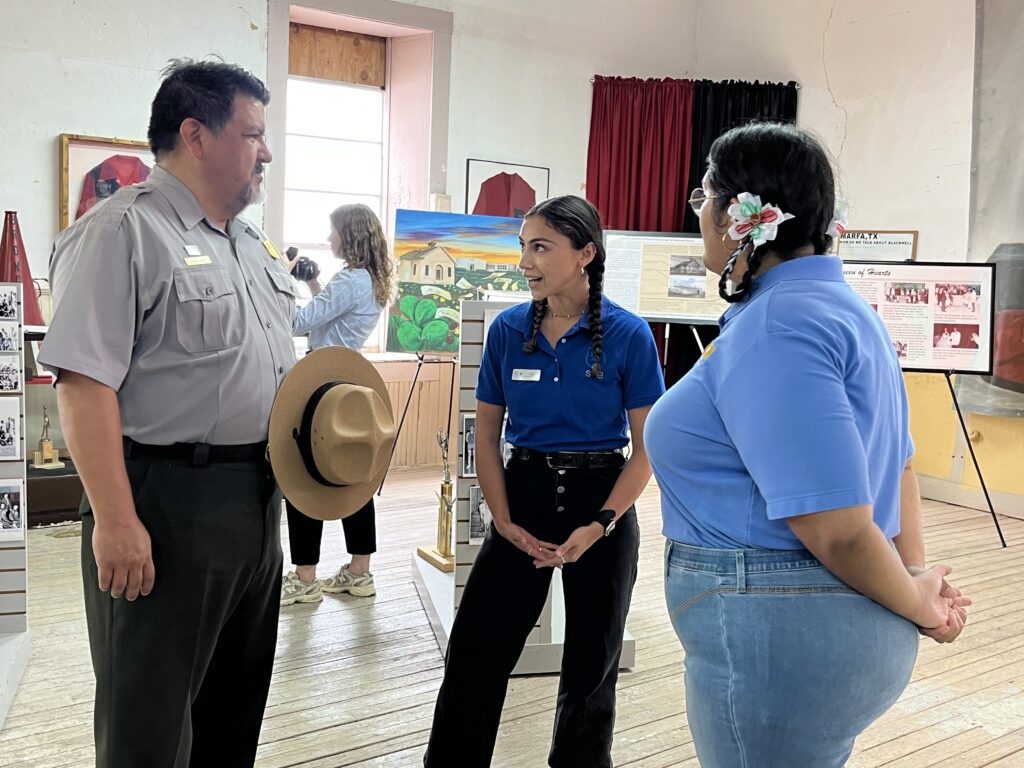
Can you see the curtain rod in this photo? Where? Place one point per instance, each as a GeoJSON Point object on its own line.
{"type": "Point", "coordinates": [795, 84]}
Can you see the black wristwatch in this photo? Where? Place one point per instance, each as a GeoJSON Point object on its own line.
{"type": "Point", "coordinates": [606, 519]}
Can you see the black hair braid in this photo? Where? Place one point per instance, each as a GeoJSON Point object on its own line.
{"type": "Point", "coordinates": [754, 258]}
{"type": "Point", "coordinates": [539, 308]}
{"type": "Point", "coordinates": [595, 271]}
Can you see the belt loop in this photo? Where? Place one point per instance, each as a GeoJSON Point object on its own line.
{"type": "Point", "coordinates": [126, 444]}
{"type": "Point", "coordinates": [201, 455]}
{"type": "Point", "coordinates": [741, 572]}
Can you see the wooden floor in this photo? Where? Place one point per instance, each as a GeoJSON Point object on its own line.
{"type": "Point", "coordinates": [355, 679]}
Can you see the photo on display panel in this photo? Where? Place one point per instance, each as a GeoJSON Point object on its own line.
{"type": "Point", "coordinates": [468, 468]}
{"type": "Point", "coordinates": [479, 515]}
{"type": "Point", "coordinates": [8, 303]}
{"type": "Point", "coordinates": [10, 428]}
{"type": "Point", "coordinates": [10, 373]}
{"type": "Point", "coordinates": [12, 524]}
{"type": "Point", "coordinates": [9, 336]}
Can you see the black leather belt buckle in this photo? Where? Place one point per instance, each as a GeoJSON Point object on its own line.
{"type": "Point", "coordinates": [565, 460]}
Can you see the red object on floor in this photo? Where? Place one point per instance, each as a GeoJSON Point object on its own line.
{"type": "Point", "coordinates": [14, 269]}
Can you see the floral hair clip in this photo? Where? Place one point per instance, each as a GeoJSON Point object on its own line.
{"type": "Point", "coordinates": [752, 219]}
{"type": "Point", "coordinates": [837, 226]}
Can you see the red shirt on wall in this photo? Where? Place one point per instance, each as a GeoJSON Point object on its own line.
{"type": "Point", "coordinates": [505, 194]}
{"type": "Point", "coordinates": [109, 176]}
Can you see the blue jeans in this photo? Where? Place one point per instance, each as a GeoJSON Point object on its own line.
{"type": "Point", "coordinates": [785, 664]}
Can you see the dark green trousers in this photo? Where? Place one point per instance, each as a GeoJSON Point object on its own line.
{"type": "Point", "coordinates": [182, 675]}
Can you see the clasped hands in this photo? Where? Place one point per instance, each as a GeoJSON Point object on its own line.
{"type": "Point", "coordinates": [952, 603]}
{"type": "Point", "coordinates": [546, 554]}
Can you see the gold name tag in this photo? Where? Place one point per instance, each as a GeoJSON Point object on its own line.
{"type": "Point", "coordinates": [525, 374]}
{"type": "Point", "coordinates": [271, 249]}
{"type": "Point", "coordinates": [195, 261]}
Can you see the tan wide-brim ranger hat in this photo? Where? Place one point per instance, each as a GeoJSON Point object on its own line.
{"type": "Point", "coordinates": [332, 431]}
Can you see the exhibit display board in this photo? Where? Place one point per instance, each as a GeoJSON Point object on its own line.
{"type": "Point", "coordinates": [14, 636]}
{"type": "Point", "coordinates": [661, 277]}
{"type": "Point", "coordinates": [939, 315]}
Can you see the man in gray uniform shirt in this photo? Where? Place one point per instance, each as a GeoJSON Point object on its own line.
{"type": "Point", "coordinates": [171, 334]}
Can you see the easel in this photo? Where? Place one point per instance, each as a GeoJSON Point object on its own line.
{"type": "Point", "coordinates": [974, 458]}
{"type": "Point", "coordinates": [420, 362]}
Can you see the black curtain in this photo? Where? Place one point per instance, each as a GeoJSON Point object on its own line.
{"type": "Point", "coordinates": [717, 107]}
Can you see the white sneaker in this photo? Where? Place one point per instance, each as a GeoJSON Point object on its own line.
{"type": "Point", "coordinates": [295, 590]}
{"type": "Point", "coordinates": [346, 581]}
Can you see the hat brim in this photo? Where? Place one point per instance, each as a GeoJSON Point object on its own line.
{"type": "Point", "coordinates": [313, 499]}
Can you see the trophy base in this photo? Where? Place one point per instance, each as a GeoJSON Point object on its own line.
{"type": "Point", "coordinates": [42, 461]}
{"type": "Point", "coordinates": [436, 559]}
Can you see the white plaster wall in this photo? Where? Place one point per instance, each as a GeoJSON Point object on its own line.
{"type": "Point", "coordinates": [999, 142]}
{"type": "Point", "coordinates": [92, 67]}
{"type": "Point", "coordinates": [520, 86]}
{"type": "Point", "coordinates": [886, 83]}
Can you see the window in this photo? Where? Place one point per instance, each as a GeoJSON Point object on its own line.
{"type": "Point", "coordinates": [335, 155]}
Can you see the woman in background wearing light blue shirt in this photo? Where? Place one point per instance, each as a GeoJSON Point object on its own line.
{"type": "Point", "coordinates": [795, 570]}
{"type": "Point", "coordinates": [343, 313]}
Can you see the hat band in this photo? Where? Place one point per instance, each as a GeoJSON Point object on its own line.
{"type": "Point", "coordinates": [304, 434]}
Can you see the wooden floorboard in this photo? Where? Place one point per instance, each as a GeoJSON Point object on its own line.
{"type": "Point", "coordinates": [355, 679]}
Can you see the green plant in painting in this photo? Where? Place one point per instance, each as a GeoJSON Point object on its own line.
{"type": "Point", "coordinates": [416, 325]}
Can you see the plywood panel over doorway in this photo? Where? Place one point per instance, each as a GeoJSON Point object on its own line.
{"type": "Point", "coordinates": [344, 57]}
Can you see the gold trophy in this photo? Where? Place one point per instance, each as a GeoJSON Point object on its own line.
{"type": "Point", "coordinates": [47, 457]}
{"type": "Point", "coordinates": [440, 556]}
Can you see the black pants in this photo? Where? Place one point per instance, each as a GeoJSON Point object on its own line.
{"type": "Point", "coordinates": [182, 675]}
{"type": "Point", "coordinates": [502, 600]}
{"type": "Point", "coordinates": [305, 533]}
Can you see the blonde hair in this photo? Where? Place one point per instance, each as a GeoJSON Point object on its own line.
{"type": "Point", "coordinates": [364, 246]}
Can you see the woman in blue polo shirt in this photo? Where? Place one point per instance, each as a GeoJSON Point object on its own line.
{"type": "Point", "coordinates": [795, 567]}
{"type": "Point", "coordinates": [573, 370]}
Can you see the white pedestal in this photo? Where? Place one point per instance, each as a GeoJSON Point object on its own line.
{"type": "Point", "coordinates": [437, 593]}
{"type": "Point", "coordinates": [14, 652]}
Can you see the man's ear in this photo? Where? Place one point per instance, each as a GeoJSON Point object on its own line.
{"type": "Point", "coordinates": [191, 134]}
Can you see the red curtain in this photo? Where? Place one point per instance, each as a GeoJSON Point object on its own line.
{"type": "Point", "coordinates": [638, 160]}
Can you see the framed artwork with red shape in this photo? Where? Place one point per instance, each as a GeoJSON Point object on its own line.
{"type": "Point", "coordinates": [92, 168]}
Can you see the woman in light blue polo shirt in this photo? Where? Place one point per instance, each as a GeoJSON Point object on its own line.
{"type": "Point", "coordinates": [573, 370]}
{"type": "Point", "coordinates": [795, 568]}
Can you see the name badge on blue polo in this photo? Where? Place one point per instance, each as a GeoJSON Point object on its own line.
{"type": "Point", "coordinates": [525, 374]}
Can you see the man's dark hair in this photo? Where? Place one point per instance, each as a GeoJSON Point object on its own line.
{"type": "Point", "coordinates": [204, 90]}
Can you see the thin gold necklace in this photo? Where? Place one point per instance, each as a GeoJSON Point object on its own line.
{"type": "Point", "coordinates": [566, 317]}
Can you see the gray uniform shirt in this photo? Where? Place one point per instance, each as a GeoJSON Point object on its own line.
{"type": "Point", "coordinates": [191, 326]}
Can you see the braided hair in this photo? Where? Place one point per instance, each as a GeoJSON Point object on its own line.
{"type": "Point", "coordinates": [784, 166]}
{"type": "Point", "coordinates": [579, 221]}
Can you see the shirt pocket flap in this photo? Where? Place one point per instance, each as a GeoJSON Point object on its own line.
{"type": "Point", "coordinates": [207, 284]}
{"type": "Point", "coordinates": [282, 281]}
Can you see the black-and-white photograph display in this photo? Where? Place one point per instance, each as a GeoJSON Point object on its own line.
{"type": "Point", "coordinates": [468, 445]}
{"type": "Point", "coordinates": [10, 428]}
{"type": "Point", "coordinates": [10, 373]}
{"type": "Point", "coordinates": [902, 349]}
{"type": "Point", "coordinates": [956, 336]}
{"type": "Point", "coordinates": [906, 293]}
{"type": "Point", "coordinates": [962, 298]}
{"type": "Point", "coordinates": [479, 515]}
{"type": "Point", "coordinates": [12, 525]}
{"type": "Point", "coordinates": [8, 302]}
{"type": "Point", "coordinates": [687, 286]}
{"type": "Point", "coordinates": [9, 333]}
{"type": "Point", "coordinates": [686, 265]}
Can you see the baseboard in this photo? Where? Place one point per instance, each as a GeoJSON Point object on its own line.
{"type": "Point", "coordinates": [1008, 504]}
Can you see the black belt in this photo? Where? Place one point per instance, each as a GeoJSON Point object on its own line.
{"type": "Point", "coordinates": [572, 459]}
{"type": "Point", "coordinates": [197, 454]}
